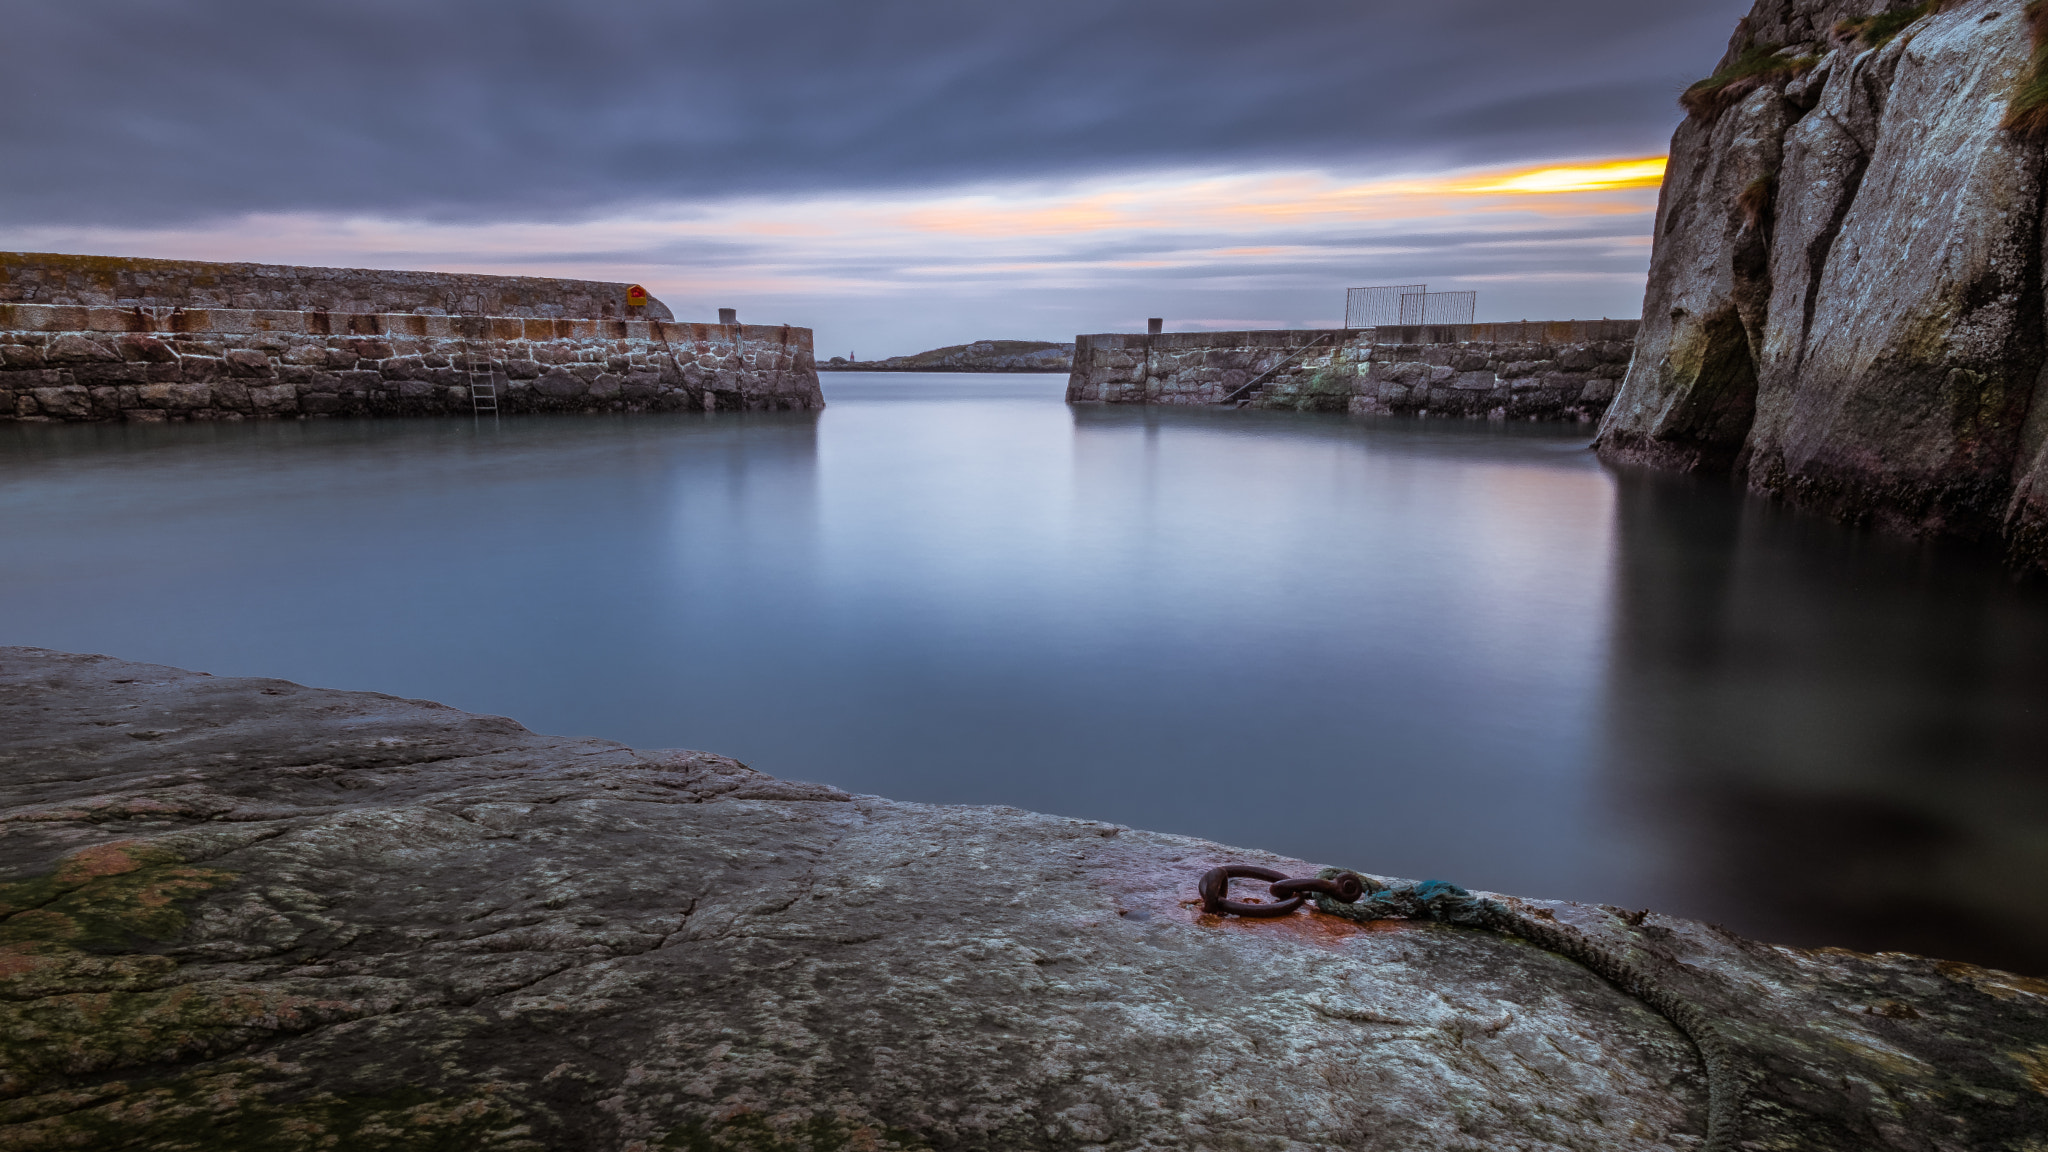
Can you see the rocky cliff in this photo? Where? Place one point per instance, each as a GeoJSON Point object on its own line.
{"type": "Point", "coordinates": [1845, 299]}
{"type": "Point", "coordinates": [241, 914]}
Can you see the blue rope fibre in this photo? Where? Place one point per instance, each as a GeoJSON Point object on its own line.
{"type": "Point", "coordinates": [1446, 903]}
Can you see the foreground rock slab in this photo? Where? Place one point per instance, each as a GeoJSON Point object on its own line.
{"type": "Point", "coordinates": [246, 914]}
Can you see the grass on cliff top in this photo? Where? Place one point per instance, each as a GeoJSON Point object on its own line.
{"type": "Point", "coordinates": [1877, 31]}
{"type": "Point", "coordinates": [1757, 65]}
{"type": "Point", "coordinates": [2026, 115]}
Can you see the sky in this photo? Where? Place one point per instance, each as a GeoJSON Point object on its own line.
{"type": "Point", "coordinates": [895, 174]}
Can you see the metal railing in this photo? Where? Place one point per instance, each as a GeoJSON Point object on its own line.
{"type": "Point", "coordinates": [1406, 305]}
{"type": "Point", "coordinates": [1377, 307]}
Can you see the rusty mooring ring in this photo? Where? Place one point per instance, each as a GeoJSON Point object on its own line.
{"type": "Point", "coordinates": [1215, 891]}
{"type": "Point", "coordinates": [1346, 887]}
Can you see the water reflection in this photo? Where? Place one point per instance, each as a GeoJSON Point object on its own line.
{"type": "Point", "coordinates": [1834, 738]}
{"type": "Point", "coordinates": [1423, 648]}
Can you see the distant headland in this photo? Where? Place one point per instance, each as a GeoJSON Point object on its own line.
{"type": "Point", "coordinates": [980, 356]}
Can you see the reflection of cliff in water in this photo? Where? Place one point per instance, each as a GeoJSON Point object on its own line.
{"type": "Point", "coordinates": [1830, 738]}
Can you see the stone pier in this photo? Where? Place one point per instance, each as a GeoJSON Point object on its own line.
{"type": "Point", "coordinates": [98, 355]}
{"type": "Point", "coordinates": [1549, 370]}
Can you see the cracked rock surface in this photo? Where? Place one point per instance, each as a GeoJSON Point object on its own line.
{"type": "Point", "coordinates": [246, 914]}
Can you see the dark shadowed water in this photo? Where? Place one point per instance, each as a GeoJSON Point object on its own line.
{"type": "Point", "coordinates": [1427, 649]}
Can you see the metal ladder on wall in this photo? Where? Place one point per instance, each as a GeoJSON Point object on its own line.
{"type": "Point", "coordinates": [483, 387]}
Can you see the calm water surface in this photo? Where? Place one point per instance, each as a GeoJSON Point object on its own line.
{"type": "Point", "coordinates": [1425, 649]}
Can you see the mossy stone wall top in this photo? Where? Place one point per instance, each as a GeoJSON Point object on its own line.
{"type": "Point", "coordinates": [129, 281]}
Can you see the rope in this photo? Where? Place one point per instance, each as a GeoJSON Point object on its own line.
{"type": "Point", "coordinates": [1447, 903]}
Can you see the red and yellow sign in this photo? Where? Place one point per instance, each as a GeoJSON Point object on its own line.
{"type": "Point", "coordinates": [636, 297]}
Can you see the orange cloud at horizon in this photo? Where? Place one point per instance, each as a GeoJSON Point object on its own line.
{"type": "Point", "coordinates": [1297, 197]}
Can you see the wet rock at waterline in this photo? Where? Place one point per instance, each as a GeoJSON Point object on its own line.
{"type": "Point", "coordinates": [1845, 299]}
{"type": "Point", "coordinates": [247, 914]}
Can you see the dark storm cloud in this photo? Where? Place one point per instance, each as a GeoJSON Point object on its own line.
{"type": "Point", "coordinates": [145, 112]}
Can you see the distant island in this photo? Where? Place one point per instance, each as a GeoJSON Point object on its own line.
{"type": "Point", "coordinates": [980, 356]}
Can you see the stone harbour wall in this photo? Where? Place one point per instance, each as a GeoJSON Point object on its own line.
{"type": "Point", "coordinates": [129, 282]}
{"type": "Point", "coordinates": [75, 364]}
{"type": "Point", "coordinates": [1551, 370]}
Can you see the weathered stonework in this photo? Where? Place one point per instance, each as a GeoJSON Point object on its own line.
{"type": "Point", "coordinates": [1535, 371]}
{"type": "Point", "coordinates": [128, 282]}
{"type": "Point", "coordinates": [98, 364]}
{"type": "Point", "coordinates": [244, 914]}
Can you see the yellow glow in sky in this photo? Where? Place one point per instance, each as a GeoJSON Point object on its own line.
{"type": "Point", "coordinates": [1647, 172]}
{"type": "Point", "coordinates": [1302, 199]}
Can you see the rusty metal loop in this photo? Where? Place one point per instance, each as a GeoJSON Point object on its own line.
{"type": "Point", "coordinates": [1215, 891]}
{"type": "Point", "coordinates": [1347, 887]}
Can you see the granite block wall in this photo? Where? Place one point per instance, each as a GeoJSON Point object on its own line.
{"type": "Point", "coordinates": [1550, 370]}
{"type": "Point", "coordinates": [73, 364]}
{"type": "Point", "coordinates": [128, 282]}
